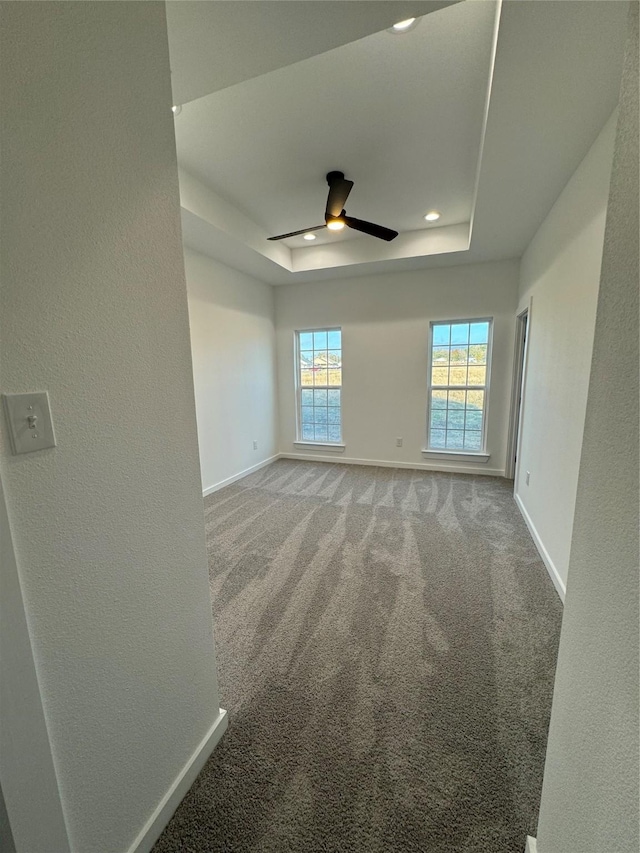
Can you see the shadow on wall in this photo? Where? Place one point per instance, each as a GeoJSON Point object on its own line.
{"type": "Point", "coordinates": [6, 838]}
{"type": "Point", "coordinates": [366, 299]}
{"type": "Point", "coordinates": [583, 189]}
{"type": "Point", "coordinates": [215, 283]}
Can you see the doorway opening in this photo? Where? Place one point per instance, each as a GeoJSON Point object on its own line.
{"type": "Point", "coordinates": [519, 364]}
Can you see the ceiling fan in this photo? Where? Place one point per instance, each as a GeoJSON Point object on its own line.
{"type": "Point", "coordinates": [335, 217]}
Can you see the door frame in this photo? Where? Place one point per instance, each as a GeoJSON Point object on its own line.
{"type": "Point", "coordinates": [523, 329]}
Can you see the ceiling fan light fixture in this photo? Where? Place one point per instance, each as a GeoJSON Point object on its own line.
{"type": "Point", "coordinates": [309, 237]}
{"type": "Point", "coordinates": [403, 26]}
{"type": "Point", "coordinates": [335, 216]}
{"type": "Point", "coordinates": [433, 216]}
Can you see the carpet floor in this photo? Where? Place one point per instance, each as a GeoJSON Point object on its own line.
{"type": "Point", "coordinates": [386, 645]}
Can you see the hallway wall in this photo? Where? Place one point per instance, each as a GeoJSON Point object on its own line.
{"type": "Point", "coordinates": [29, 787]}
{"type": "Point", "coordinates": [559, 280]}
{"type": "Point", "coordinates": [108, 525]}
{"type": "Point", "coordinates": [590, 796]}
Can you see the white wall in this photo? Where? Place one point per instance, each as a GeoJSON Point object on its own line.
{"type": "Point", "coordinates": [234, 367]}
{"type": "Point", "coordinates": [27, 773]}
{"type": "Point", "coordinates": [590, 796]}
{"type": "Point", "coordinates": [559, 277]}
{"type": "Point", "coordinates": [385, 325]}
{"type": "Point", "coordinates": [108, 526]}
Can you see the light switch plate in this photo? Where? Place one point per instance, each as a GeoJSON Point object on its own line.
{"type": "Point", "coordinates": [29, 420]}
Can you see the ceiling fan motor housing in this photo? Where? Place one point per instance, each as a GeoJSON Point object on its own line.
{"type": "Point", "coordinates": [334, 176]}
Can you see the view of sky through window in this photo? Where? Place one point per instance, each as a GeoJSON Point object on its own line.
{"type": "Point", "coordinates": [320, 385]}
{"type": "Point", "coordinates": [457, 385]}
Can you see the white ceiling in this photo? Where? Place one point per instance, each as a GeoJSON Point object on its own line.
{"type": "Point", "coordinates": [402, 116]}
{"type": "Point", "coordinates": [218, 43]}
{"type": "Point", "coordinates": [367, 109]}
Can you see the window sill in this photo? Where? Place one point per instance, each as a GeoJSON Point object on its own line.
{"type": "Point", "coordinates": [321, 445]}
{"type": "Point", "coordinates": [454, 455]}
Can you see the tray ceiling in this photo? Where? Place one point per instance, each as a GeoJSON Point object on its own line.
{"type": "Point", "coordinates": [419, 121]}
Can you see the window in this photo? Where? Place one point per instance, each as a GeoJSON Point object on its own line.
{"type": "Point", "coordinates": [458, 385]}
{"type": "Point", "coordinates": [319, 385]}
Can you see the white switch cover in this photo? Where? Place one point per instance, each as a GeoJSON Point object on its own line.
{"type": "Point", "coordinates": [29, 419]}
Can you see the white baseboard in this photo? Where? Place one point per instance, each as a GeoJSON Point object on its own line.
{"type": "Point", "coordinates": [381, 463]}
{"type": "Point", "coordinates": [185, 779]}
{"type": "Point", "coordinates": [531, 845]}
{"type": "Point", "coordinates": [211, 489]}
{"type": "Point", "coordinates": [554, 574]}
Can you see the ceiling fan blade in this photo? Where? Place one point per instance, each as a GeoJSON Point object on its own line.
{"type": "Point", "coordinates": [339, 189]}
{"type": "Point", "coordinates": [295, 233]}
{"type": "Point", "coordinates": [370, 228]}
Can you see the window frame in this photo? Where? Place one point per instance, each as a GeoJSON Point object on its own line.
{"type": "Point", "coordinates": [483, 452]}
{"type": "Point", "coordinates": [299, 388]}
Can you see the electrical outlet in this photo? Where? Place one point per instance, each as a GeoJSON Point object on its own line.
{"type": "Point", "coordinates": [528, 475]}
{"type": "Point", "coordinates": [255, 445]}
{"type": "Point", "coordinates": [398, 442]}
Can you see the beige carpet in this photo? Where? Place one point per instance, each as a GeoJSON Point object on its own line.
{"type": "Point", "coordinates": [386, 645]}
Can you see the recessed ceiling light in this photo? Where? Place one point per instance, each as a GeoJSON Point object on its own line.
{"type": "Point", "coordinates": [309, 237]}
{"type": "Point", "coordinates": [404, 26]}
{"type": "Point", "coordinates": [176, 109]}
{"type": "Point", "coordinates": [335, 225]}
{"type": "Point", "coordinates": [433, 216]}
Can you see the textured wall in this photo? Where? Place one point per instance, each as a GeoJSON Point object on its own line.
{"type": "Point", "coordinates": [108, 526]}
{"type": "Point", "coordinates": [234, 367]}
{"type": "Point", "coordinates": [385, 324]}
{"type": "Point", "coordinates": [590, 793]}
{"type": "Point", "coordinates": [6, 836]}
{"type": "Point", "coordinates": [560, 272]}
{"type": "Point", "coordinates": [27, 774]}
